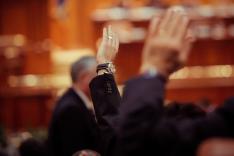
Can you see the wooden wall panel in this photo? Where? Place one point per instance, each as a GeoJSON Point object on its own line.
{"type": "Point", "coordinates": [30, 18]}
{"type": "Point", "coordinates": [25, 108]}
{"type": "Point", "coordinates": [12, 24]}
{"type": "Point", "coordinates": [25, 17]}
{"type": "Point", "coordinates": [76, 31]}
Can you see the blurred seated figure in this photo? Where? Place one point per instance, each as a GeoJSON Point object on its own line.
{"type": "Point", "coordinates": [184, 110]}
{"type": "Point", "coordinates": [216, 147]}
{"type": "Point", "coordinates": [206, 105]}
{"type": "Point", "coordinates": [2, 153]}
{"type": "Point", "coordinates": [190, 110]}
{"type": "Point", "coordinates": [3, 142]}
{"type": "Point", "coordinates": [32, 147]}
{"type": "Point", "coordinates": [3, 138]}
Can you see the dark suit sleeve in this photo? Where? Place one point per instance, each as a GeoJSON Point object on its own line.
{"type": "Point", "coordinates": [75, 132]}
{"type": "Point", "coordinates": [106, 99]}
{"type": "Point", "coordinates": [142, 105]}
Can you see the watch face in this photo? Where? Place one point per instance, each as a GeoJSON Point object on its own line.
{"type": "Point", "coordinates": [110, 65]}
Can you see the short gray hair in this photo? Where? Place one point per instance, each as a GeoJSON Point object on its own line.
{"type": "Point", "coordinates": [81, 65]}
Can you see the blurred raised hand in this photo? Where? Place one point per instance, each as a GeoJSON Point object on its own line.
{"type": "Point", "coordinates": [168, 43]}
{"type": "Point", "coordinates": [109, 46]}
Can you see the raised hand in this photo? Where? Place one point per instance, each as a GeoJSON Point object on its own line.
{"type": "Point", "coordinates": [109, 46]}
{"type": "Point", "coordinates": [168, 43]}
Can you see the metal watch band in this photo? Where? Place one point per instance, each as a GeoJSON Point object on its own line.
{"type": "Point", "coordinates": [108, 67]}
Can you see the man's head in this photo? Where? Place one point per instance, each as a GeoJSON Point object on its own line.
{"type": "Point", "coordinates": [82, 72]}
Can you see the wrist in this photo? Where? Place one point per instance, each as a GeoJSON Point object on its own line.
{"type": "Point", "coordinates": [105, 68]}
{"type": "Point", "coordinates": [101, 60]}
{"type": "Point", "coordinates": [164, 71]}
{"type": "Point", "coordinates": [154, 70]}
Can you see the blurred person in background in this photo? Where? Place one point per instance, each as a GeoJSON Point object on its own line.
{"type": "Point", "coordinates": [183, 110]}
{"type": "Point", "coordinates": [74, 126]}
{"type": "Point", "coordinates": [2, 153]}
{"type": "Point", "coordinates": [3, 142]}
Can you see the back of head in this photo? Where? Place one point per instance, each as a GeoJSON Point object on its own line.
{"type": "Point", "coordinates": [183, 110]}
{"type": "Point", "coordinates": [82, 65]}
{"type": "Point", "coordinates": [32, 147]}
{"type": "Point", "coordinates": [86, 153]}
{"type": "Point", "coordinates": [172, 109]}
{"type": "Point", "coordinates": [216, 147]}
{"type": "Point", "coordinates": [191, 110]}
{"type": "Point", "coordinates": [82, 72]}
{"type": "Point", "coordinates": [227, 113]}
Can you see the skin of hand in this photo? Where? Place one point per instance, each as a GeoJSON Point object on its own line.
{"type": "Point", "coordinates": [109, 46]}
{"type": "Point", "coordinates": [168, 44]}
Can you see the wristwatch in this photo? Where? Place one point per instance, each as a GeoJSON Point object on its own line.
{"type": "Point", "coordinates": [107, 68]}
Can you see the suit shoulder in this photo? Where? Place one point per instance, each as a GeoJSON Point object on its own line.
{"type": "Point", "coordinates": [145, 80]}
{"type": "Point", "coordinates": [69, 100]}
{"type": "Point", "coordinates": [144, 87]}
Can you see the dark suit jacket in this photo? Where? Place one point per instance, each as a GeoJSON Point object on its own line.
{"type": "Point", "coordinates": [73, 127]}
{"type": "Point", "coordinates": [106, 100]}
{"type": "Point", "coordinates": [140, 125]}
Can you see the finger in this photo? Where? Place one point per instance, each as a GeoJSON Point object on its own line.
{"type": "Point", "coordinates": [117, 43]}
{"type": "Point", "coordinates": [182, 29]}
{"type": "Point", "coordinates": [109, 28]}
{"type": "Point", "coordinates": [174, 23]}
{"type": "Point", "coordinates": [105, 35]}
{"type": "Point", "coordinates": [108, 33]}
{"type": "Point", "coordinates": [113, 41]}
{"type": "Point", "coordinates": [153, 27]}
{"type": "Point", "coordinates": [110, 36]}
{"type": "Point", "coordinates": [166, 20]}
{"type": "Point", "coordinates": [103, 43]}
{"type": "Point", "coordinates": [116, 46]}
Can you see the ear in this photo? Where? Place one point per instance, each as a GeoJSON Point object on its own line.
{"type": "Point", "coordinates": [82, 77]}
